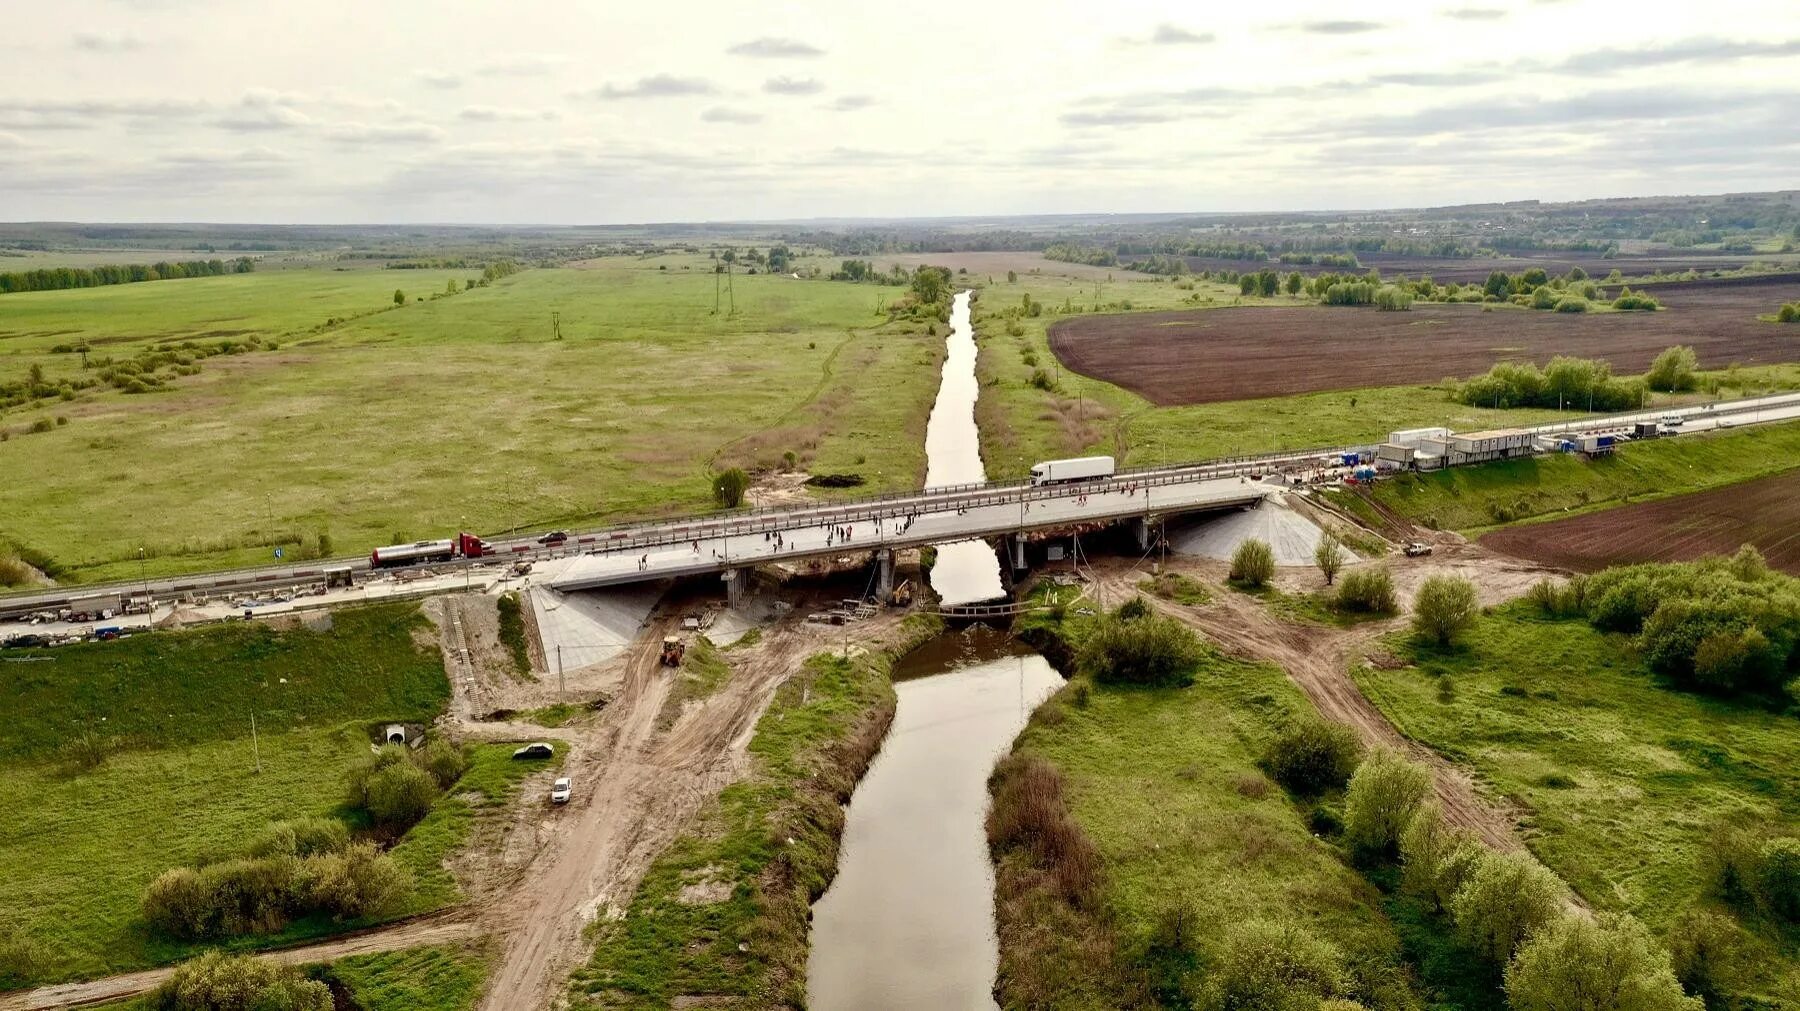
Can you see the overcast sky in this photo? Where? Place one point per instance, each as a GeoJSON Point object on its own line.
{"type": "Point", "coordinates": [602, 112]}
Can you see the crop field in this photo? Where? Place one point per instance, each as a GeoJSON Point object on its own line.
{"type": "Point", "coordinates": [1208, 356]}
{"type": "Point", "coordinates": [124, 759]}
{"type": "Point", "coordinates": [1763, 512]}
{"type": "Point", "coordinates": [456, 412]}
{"type": "Point", "coordinates": [1620, 779]}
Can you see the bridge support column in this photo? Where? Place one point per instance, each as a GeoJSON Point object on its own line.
{"type": "Point", "coordinates": [884, 573]}
{"type": "Point", "coordinates": [1016, 552]}
{"type": "Point", "coordinates": [736, 582]}
{"type": "Point", "coordinates": [1140, 532]}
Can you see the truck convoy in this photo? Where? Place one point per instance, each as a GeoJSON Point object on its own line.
{"type": "Point", "coordinates": [461, 546]}
{"type": "Point", "coordinates": [1081, 468]}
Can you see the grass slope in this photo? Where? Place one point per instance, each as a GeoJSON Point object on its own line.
{"type": "Point", "coordinates": [766, 848]}
{"type": "Point", "coordinates": [1622, 778]}
{"type": "Point", "coordinates": [442, 978]}
{"type": "Point", "coordinates": [1471, 498]}
{"type": "Point", "coordinates": [179, 782]}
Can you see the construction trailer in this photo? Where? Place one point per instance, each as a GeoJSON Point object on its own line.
{"type": "Point", "coordinates": [1496, 444]}
{"type": "Point", "coordinates": [1410, 437]}
{"type": "Point", "coordinates": [1396, 453]}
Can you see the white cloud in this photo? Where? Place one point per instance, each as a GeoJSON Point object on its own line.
{"type": "Point", "coordinates": [94, 42]}
{"type": "Point", "coordinates": [774, 48]}
{"type": "Point", "coordinates": [721, 114]}
{"type": "Point", "coordinates": [655, 86]}
{"type": "Point", "coordinates": [385, 133]}
{"type": "Point", "coordinates": [850, 103]}
{"type": "Point", "coordinates": [792, 86]}
{"type": "Point", "coordinates": [439, 78]}
{"type": "Point", "coordinates": [494, 114]}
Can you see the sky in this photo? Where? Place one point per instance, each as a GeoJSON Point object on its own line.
{"type": "Point", "coordinates": [458, 111]}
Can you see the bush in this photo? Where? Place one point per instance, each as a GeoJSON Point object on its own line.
{"type": "Point", "coordinates": [1385, 793]}
{"type": "Point", "coordinates": [1367, 591]}
{"type": "Point", "coordinates": [1507, 898]}
{"type": "Point", "coordinates": [443, 761]}
{"type": "Point", "coordinates": [353, 883]}
{"type": "Point", "coordinates": [1436, 859]}
{"type": "Point", "coordinates": [1789, 313]}
{"type": "Point", "coordinates": [1028, 813]}
{"type": "Point", "coordinates": [512, 632]}
{"type": "Point", "coordinates": [301, 837]}
{"type": "Point", "coordinates": [1571, 303]}
{"type": "Point", "coordinates": [1151, 650]}
{"type": "Point", "coordinates": [1610, 959]}
{"type": "Point", "coordinates": [1329, 557]}
{"type": "Point", "coordinates": [219, 982]}
{"type": "Point", "coordinates": [1639, 303]}
{"type": "Point", "coordinates": [729, 487]}
{"type": "Point", "coordinates": [1310, 755]}
{"type": "Point", "coordinates": [399, 795]}
{"type": "Point", "coordinates": [1706, 954]}
{"type": "Point", "coordinates": [1252, 564]}
{"type": "Point", "coordinates": [250, 896]}
{"type": "Point", "coordinates": [1444, 607]}
{"type": "Point", "coordinates": [1270, 967]}
{"type": "Point", "coordinates": [1778, 878]}
{"type": "Point", "coordinates": [1543, 298]}
{"type": "Point", "coordinates": [179, 904]}
{"type": "Point", "coordinates": [1673, 370]}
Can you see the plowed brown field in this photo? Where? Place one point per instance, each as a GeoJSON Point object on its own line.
{"type": "Point", "coordinates": [1764, 512]}
{"type": "Point", "coordinates": [1209, 355]}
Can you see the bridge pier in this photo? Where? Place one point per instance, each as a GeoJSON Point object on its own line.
{"type": "Point", "coordinates": [1016, 552]}
{"type": "Point", "coordinates": [1140, 532]}
{"type": "Point", "coordinates": [884, 573]}
{"type": "Point", "coordinates": [736, 582]}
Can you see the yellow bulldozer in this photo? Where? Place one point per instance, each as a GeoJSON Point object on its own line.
{"type": "Point", "coordinates": [672, 651]}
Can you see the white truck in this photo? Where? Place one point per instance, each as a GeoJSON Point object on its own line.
{"type": "Point", "coordinates": [1081, 468]}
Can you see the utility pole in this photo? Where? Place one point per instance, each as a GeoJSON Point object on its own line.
{"type": "Point", "coordinates": [556, 326]}
{"type": "Point", "coordinates": [255, 747]}
{"type": "Point", "coordinates": [561, 687]}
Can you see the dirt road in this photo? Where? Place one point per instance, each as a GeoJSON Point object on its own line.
{"type": "Point", "coordinates": [436, 929]}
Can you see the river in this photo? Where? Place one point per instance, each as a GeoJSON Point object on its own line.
{"type": "Point", "coordinates": [909, 921]}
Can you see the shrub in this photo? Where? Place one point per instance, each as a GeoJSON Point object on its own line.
{"type": "Point", "coordinates": [1310, 755]}
{"type": "Point", "coordinates": [1435, 858]}
{"type": "Point", "coordinates": [1028, 813]}
{"type": "Point", "coordinates": [1543, 298]}
{"type": "Point", "coordinates": [1610, 957]}
{"type": "Point", "coordinates": [301, 837]}
{"type": "Point", "coordinates": [179, 904]}
{"type": "Point", "coordinates": [1630, 301]}
{"type": "Point", "coordinates": [354, 882]}
{"type": "Point", "coordinates": [19, 957]}
{"type": "Point", "coordinates": [250, 896]}
{"type": "Point", "coordinates": [1384, 794]}
{"type": "Point", "coordinates": [1507, 898]}
{"type": "Point", "coordinates": [443, 761]}
{"type": "Point", "coordinates": [1789, 313]}
{"type": "Point", "coordinates": [398, 795]}
{"type": "Point", "coordinates": [1673, 370]}
{"type": "Point", "coordinates": [219, 982]}
{"type": "Point", "coordinates": [1253, 563]}
{"type": "Point", "coordinates": [1367, 591]}
{"type": "Point", "coordinates": [1778, 877]}
{"type": "Point", "coordinates": [1151, 650]}
{"type": "Point", "coordinates": [1706, 953]}
{"type": "Point", "coordinates": [1270, 967]}
{"type": "Point", "coordinates": [1571, 303]}
{"type": "Point", "coordinates": [1444, 607]}
{"type": "Point", "coordinates": [729, 487]}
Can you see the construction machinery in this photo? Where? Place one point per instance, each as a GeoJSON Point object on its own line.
{"type": "Point", "coordinates": [902, 595]}
{"type": "Point", "coordinates": [672, 651]}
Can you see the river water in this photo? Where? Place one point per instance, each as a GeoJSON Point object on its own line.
{"type": "Point", "coordinates": [966, 571]}
{"type": "Point", "coordinates": [909, 921]}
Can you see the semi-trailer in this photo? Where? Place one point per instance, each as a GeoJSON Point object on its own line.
{"type": "Point", "coordinates": [1081, 468]}
{"type": "Point", "coordinates": [463, 545]}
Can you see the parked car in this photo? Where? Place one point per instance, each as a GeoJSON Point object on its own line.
{"type": "Point", "coordinates": [536, 749]}
{"type": "Point", "coordinates": [554, 537]}
{"type": "Point", "coordinates": [1417, 548]}
{"type": "Point", "coordinates": [559, 791]}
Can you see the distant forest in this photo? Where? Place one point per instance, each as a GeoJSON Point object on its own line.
{"type": "Point", "coordinates": [61, 278]}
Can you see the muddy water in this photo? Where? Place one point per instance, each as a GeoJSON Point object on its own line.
{"type": "Point", "coordinates": [909, 921]}
{"type": "Point", "coordinates": [966, 571]}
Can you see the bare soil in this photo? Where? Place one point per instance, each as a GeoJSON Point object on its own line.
{"type": "Point", "coordinates": [1212, 355]}
{"type": "Point", "coordinates": [1764, 512]}
{"type": "Point", "coordinates": [1445, 269]}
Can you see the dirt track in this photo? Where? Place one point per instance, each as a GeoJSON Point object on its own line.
{"type": "Point", "coordinates": [1212, 355]}
{"type": "Point", "coordinates": [1764, 512]}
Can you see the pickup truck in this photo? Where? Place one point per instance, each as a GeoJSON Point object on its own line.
{"type": "Point", "coordinates": [1417, 548]}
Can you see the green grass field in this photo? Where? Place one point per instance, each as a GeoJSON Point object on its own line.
{"type": "Point", "coordinates": [179, 780]}
{"type": "Point", "coordinates": [1165, 783]}
{"type": "Point", "coordinates": [443, 978]}
{"type": "Point", "coordinates": [455, 412]}
{"type": "Point", "coordinates": [1621, 779]}
{"type": "Point", "coordinates": [1472, 498]}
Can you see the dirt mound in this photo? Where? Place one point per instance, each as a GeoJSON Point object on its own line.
{"type": "Point", "coordinates": [1293, 537]}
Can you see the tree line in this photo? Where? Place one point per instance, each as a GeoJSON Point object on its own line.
{"type": "Point", "coordinates": [64, 278]}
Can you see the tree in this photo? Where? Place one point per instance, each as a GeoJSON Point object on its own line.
{"type": "Point", "coordinates": [729, 487]}
{"type": "Point", "coordinates": [399, 795]}
{"type": "Point", "coordinates": [1498, 284]}
{"type": "Point", "coordinates": [1329, 557]}
{"type": "Point", "coordinates": [1507, 898]}
{"type": "Point", "coordinates": [1706, 952]}
{"type": "Point", "coordinates": [399, 297]}
{"type": "Point", "coordinates": [1253, 563]}
{"type": "Point", "coordinates": [216, 981]}
{"type": "Point", "coordinates": [1012, 277]}
{"type": "Point", "coordinates": [1444, 607]}
{"type": "Point", "coordinates": [1294, 281]}
{"type": "Point", "coordinates": [450, 286]}
{"type": "Point", "coordinates": [930, 284]}
{"type": "Point", "coordinates": [1607, 963]}
{"type": "Point", "coordinates": [1146, 650]}
{"type": "Point", "coordinates": [1311, 756]}
{"type": "Point", "coordinates": [1384, 795]}
{"type": "Point", "coordinates": [1673, 370]}
{"type": "Point", "coordinates": [1435, 858]}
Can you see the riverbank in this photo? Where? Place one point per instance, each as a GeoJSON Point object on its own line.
{"type": "Point", "coordinates": [723, 913]}
{"type": "Point", "coordinates": [1135, 841]}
